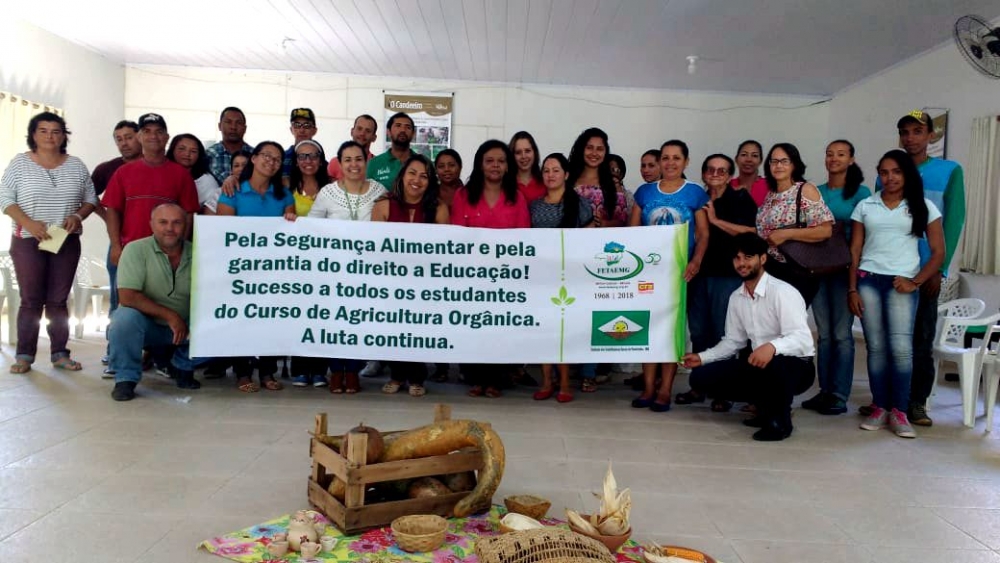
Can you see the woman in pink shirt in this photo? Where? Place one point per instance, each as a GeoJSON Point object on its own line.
{"type": "Point", "coordinates": [748, 159]}
{"type": "Point", "coordinates": [529, 171]}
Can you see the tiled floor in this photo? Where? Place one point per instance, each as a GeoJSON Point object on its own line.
{"type": "Point", "coordinates": [83, 478]}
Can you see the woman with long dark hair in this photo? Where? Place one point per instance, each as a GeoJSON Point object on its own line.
{"type": "Point", "coordinates": [40, 188]}
{"type": "Point", "coordinates": [835, 347]}
{"type": "Point", "coordinates": [529, 172]}
{"type": "Point", "coordinates": [308, 175]}
{"type": "Point", "coordinates": [884, 280]}
{"type": "Point", "coordinates": [748, 158]}
{"type": "Point", "coordinates": [590, 175]}
{"type": "Point", "coordinates": [260, 194]}
{"type": "Point", "coordinates": [188, 151]}
{"type": "Point", "coordinates": [778, 216]}
{"type": "Point", "coordinates": [413, 199]}
{"type": "Point", "coordinates": [491, 200]}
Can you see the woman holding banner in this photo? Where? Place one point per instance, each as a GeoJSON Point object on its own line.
{"type": "Point", "coordinates": [490, 200]}
{"type": "Point", "coordinates": [413, 199]}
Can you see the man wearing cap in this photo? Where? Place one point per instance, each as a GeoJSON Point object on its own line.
{"type": "Point", "coordinates": [303, 128]}
{"type": "Point", "coordinates": [232, 125]}
{"type": "Point", "coordinates": [363, 133]}
{"type": "Point", "coordinates": [384, 167]}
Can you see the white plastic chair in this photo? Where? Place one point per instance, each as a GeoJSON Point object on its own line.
{"type": "Point", "coordinates": [85, 292]}
{"type": "Point", "coordinates": [991, 375]}
{"type": "Point", "coordinates": [958, 308]}
{"type": "Point", "coordinates": [11, 293]}
{"type": "Point", "coordinates": [950, 347]}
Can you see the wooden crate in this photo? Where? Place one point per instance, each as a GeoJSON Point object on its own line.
{"type": "Point", "coordinates": [353, 515]}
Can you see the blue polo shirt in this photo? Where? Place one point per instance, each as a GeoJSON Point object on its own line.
{"type": "Point", "coordinates": [889, 247]}
{"type": "Point", "coordinates": [249, 203]}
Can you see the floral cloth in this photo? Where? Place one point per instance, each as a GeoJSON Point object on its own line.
{"type": "Point", "coordinates": [594, 195]}
{"type": "Point", "coordinates": [378, 546]}
{"type": "Point", "coordinates": [778, 212]}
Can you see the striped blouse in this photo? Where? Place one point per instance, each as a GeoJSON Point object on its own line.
{"type": "Point", "coordinates": [45, 195]}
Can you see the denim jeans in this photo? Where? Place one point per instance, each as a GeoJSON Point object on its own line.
{"type": "Point", "coordinates": [708, 301]}
{"type": "Point", "coordinates": [134, 330]}
{"type": "Point", "coordinates": [924, 332]}
{"type": "Point", "coordinates": [45, 280]}
{"type": "Point", "coordinates": [835, 347]}
{"type": "Point", "coordinates": [887, 320]}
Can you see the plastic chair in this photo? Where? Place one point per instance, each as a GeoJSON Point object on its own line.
{"type": "Point", "coordinates": [11, 293]}
{"type": "Point", "coordinates": [84, 292]}
{"type": "Point", "coordinates": [991, 375]}
{"type": "Point", "coordinates": [957, 308]}
{"type": "Point", "coordinates": [950, 347]}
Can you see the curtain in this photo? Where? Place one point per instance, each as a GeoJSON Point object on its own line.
{"type": "Point", "coordinates": [15, 113]}
{"type": "Point", "coordinates": [980, 248]}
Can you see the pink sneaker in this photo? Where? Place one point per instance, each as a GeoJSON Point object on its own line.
{"type": "Point", "coordinates": [876, 420]}
{"type": "Point", "coordinates": [900, 425]}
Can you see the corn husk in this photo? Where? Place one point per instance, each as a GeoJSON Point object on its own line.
{"type": "Point", "coordinates": [613, 517]}
{"type": "Point", "coordinates": [654, 553]}
{"type": "Point", "coordinates": [581, 523]}
{"type": "Point", "coordinates": [520, 522]}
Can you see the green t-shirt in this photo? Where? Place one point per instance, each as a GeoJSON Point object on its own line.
{"type": "Point", "coordinates": [145, 268]}
{"type": "Point", "coordinates": [384, 168]}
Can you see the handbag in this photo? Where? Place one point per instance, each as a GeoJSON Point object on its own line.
{"type": "Point", "coordinates": [817, 258]}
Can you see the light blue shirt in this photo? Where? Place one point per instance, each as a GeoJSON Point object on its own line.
{"type": "Point", "coordinates": [249, 203]}
{"type": "Point", "coordinates": [890, 248]}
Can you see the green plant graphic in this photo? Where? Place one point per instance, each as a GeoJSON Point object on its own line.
{"type": "Point", "coordinates": [562, 300]}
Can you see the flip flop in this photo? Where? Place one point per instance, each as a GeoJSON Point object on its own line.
{"type": "Point", "coordinates": [272, 384]}
{"type": "Point", "coordinates": [67, 363]}
{"type": "Point", "coordinates": [247, 386]}
{"type": "Point", "coordinates": [588, 386]}
{"type": "Point", "coordinates": [391, 388]}
{"type": "Point", "coordinates": [417, 390]}
{"type": "Point", "coordinates": [20, 366]}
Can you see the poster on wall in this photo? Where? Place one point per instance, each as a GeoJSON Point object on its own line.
{"type": "Point", "coordinates": [938, 146]}
{"type": "Point", "coordinates": [431, 115]}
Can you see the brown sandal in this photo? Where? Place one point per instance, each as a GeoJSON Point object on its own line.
{"type": "Point", "coordinates": [20, 366]}
{"type": "Point", "coordinates": [246, 385]}
{"type": "Point", "coordinates": [67, 363]}
{"type": "Point", "coordinates": [492, 392]}
{"type": "Point", "coordinates": [351, 383]}
{"type": "Point", "coordinates": [271, 384]}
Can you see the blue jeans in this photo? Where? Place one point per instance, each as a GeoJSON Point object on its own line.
{"type": "Point", "coordinates": [134, 330]}
{"type": "Point", "coordinates": [112, 283]}
{"type": "Point", "coordinates": [835, 348]}
{"type": "Point", "coordinates": [708, 301]}
{"type": "Point", "coordinates": [888, 320]}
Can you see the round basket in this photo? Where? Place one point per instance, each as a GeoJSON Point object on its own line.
{"type": "Point", "coordinates": [613, 543]}
{"type": "Point", "coordinates": [419, 533]}
{"type": "Point", "coordinates": [529, 505]}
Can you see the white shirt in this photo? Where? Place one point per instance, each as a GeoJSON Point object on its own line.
{"type": "Point", "coordinates": [775, 313]}
{"type": "Point", "coordinates": [333, 202]}
{"type": "Point", "coordinates": [889, 247]}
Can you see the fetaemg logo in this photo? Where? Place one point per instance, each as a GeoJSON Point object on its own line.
{"type": "Point", "coordinates": [615, 263]}
{"type": "Point", "coordinates": [619, 328]}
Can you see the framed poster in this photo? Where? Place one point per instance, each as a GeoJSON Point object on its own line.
{"type": "Point", "coordinates": [938, 146]}
{"type": "Point", "coordinates": [431, 114]}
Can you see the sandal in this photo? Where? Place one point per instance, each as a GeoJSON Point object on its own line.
{"type": "Point", "coordinates": [720, 405]}
{"type": "Point", "coordinates": [475, 391]}
{"type": "Point", "coordinates": [749, 408]}
{"type": "Point", "coordinates": [690, 397]}
{"type": "Point", "coordinates": [246, 385]}
{"type": "Point", "coordinates": [337, 383]}
{"type": "Point", "coordinates": [66, 363]}
{"type": "Point", "coordinates": [351, 383]}
{"type": "Point", "coordinates": [493, 392]}
{"type": "Point", "coordinates": [391, 388]}
{"type": "Point", "coordinates": [20, 366]}
{"type": "Point", "coordinates": [272, 384]}
{"type": "Point", "coordinates": [588, 386]}
{"type": "Point", "coordinates": [417, 390]}
{"type": "Point", "coordinates": [564, 397]}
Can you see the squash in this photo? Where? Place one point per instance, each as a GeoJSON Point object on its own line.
{"type": "Point", "coordinates": [425, 487]}
{"type": "Point", "coordinates": [375, 442]}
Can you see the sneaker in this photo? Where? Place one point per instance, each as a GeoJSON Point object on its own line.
{"type": "Point", "coordinates": [124, 391]}
{"type": "Point", "coordinates": [371, 369]}
{"type": "Point", "coordinates": [918, 416]}
{"type": "Point", "coordinates": [301, 381]}
{"type": "Point", "coordinates": [319, 381]}
{"type": "Point", "coordinates": [184, 378]}
{"type": "Point", "coordinates": [900, 426]}
{"type": "Point", "coordinates": [814, 404]}
{"type": "Point", "coordinates": [876, 420]}
{"type": "Point", "coordinates": [104, 359]}
{"type": "Point", "coordinates": [832, 406]}
{"type": "Point", "coordinates": [164, 372]}
{"type": "Point", "coordinates": [867, 410]}
{"type": "Point", "coordinates": [108, 373]}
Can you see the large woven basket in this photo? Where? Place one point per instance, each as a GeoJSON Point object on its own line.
{"type": "Point", "coordinates": [419, 533]}
{"type": "Point", "coordinates": [549, 545]}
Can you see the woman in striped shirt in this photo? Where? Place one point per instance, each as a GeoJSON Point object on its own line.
{"type": "Point", "coordinates": [42, 189]}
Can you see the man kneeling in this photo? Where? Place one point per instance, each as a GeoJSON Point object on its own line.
{"type": "Point", "coordinates": [778, 365]}
{"type": "Point", "coordinates": [154, 296]}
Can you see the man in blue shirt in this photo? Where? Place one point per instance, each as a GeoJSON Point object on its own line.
{"type": "Point", "coordinates": [232, 125]}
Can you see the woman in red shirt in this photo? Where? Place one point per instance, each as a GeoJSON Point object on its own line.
{"type": "Point", "coordinates": [529, 171]}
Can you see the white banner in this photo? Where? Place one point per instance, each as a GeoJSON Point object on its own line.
{"type": "Point", "coordinates": [436, 293]}
{"type": "Point", "coordinates": [431, 114]}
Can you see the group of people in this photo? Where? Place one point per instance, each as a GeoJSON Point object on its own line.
{"type": "Point", "coordinates": [742, 286]}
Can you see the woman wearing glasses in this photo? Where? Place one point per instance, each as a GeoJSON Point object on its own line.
{"type": "Point", "coordinates": [778, 216]}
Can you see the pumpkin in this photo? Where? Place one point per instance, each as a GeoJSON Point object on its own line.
{"type": "Point", "coordinates": [375, 443]}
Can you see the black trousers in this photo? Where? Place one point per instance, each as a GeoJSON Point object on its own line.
{"type": "Point", "coordinates": [771, 388]}
{"type": "Point", "coordinates": [414, 373]}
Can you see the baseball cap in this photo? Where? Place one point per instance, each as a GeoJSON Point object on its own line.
{"type": "Point", "coordinates": [303, 113]}
{"type": "Point", "coordinates": [152, 119]}
{"type": "Point", "coordinates": [917, 116]}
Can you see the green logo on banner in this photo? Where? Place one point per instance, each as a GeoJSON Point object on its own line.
{"type": "Point", "coordinates": [619, 328]}
{"type": "Point", "coordinates": [615, 263]}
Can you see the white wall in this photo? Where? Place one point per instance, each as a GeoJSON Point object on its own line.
{"type": "Point", "coordinates": [866, 113]}
{"type": "Point", "coordinates": [43, 68]}
{"type": "Point", "coordinates": [636, 120]}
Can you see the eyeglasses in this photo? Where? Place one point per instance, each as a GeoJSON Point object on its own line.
{"type": "Point", "coordinates": [306, 156]}
{"type": "Point", "coordinates": [780, 161]}
{"type": "Point", "coordinates": [302, 125]}
{"type": "Point", "coordinates": [709, 171]}
{"type": "Point", "coordinates": [269, 158]}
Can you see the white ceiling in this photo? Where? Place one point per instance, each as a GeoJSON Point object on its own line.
{"type": "Point", "coordinates": [815, 47]}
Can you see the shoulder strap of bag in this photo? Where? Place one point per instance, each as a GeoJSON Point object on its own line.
{"type": "Point", "coordinates": [799, 223]}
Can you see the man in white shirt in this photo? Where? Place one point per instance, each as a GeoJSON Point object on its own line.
{"type": "Point", "coordinates": [778, 364]}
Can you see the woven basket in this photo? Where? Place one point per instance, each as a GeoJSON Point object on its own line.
{"type": "Point", "coordinates": [529, 505]}
{"type": "Point", "coordinates": [419, 533]}
{"type": "Point", "coordinates": [549, 545]}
